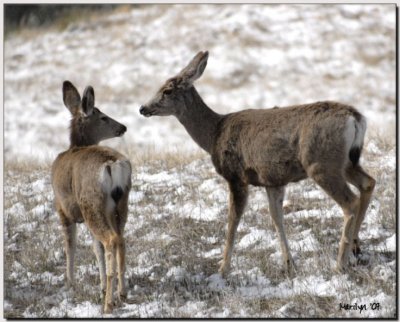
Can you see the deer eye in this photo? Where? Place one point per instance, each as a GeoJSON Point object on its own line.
{"type": "Point", "coordinates": [104, 119]}
{"type": "Point", "coordinates": [167, 91]}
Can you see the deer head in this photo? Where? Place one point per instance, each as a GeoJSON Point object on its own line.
{"type": "Point", "coordinates": [172, 98]}
{"type": "Point", "coordinates": [88, 125]}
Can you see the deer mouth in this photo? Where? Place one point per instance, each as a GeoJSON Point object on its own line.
{"type": "Point", "coordinates": [146, 112]}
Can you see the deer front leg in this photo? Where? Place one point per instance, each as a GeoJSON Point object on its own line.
{"type": "Point", "coordinates": [69, 230]}
{"type": "Point", "coordinates": [275, 199]}
{"type": "Point", "coordinates": [237, 201]}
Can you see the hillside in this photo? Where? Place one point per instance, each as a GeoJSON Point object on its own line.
{"type": "Point", "coordinates": [260, 56]}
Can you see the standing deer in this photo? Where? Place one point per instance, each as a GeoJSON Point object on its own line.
{"type": "Point", "coordinates": [272, 147]}
{"type": "Point", "coordinates": [91, 184]}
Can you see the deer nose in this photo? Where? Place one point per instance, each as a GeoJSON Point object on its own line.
{"type": "Point", "coordinates": [121, 130]}
{"type": "Point", "coordinates": [141, 110]}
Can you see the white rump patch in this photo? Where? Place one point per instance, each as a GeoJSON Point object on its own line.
{"type": "Point", "coordinates": [120, 174]}
{"type": "Point", "coordinates": [112, 175]}
{"type": "Point", "coordinates": [354, 132]}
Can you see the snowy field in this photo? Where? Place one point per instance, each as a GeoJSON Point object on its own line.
{"type": "Point", "coordinates": [260, 56]}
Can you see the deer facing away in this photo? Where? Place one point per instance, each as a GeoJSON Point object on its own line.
{"type": "Point", "coordinates": [272, 147]}
{"type": "Point", "coordinates": [91, 184]}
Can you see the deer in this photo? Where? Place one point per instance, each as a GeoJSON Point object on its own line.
{"type": "Point", "coordinates": [91, 185]}
{"type": "Point", "coordinates": [272, 147]}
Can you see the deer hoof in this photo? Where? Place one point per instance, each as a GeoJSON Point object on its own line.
{"type": "Point", "coordinates": [363, 259]}
{"type": "Point", "coordinates": [108, 308]}
{"type": "Point", "coordinates": [122, 297]}
{"type": "Point", "coordinates": [70, 285]}
{"type": "Point", "coordinates": [224, 268]}
{"type": "Point", "coordinates": [356, 248]}
{"type": "Point", "coordinates": [339, 269]}
{"type": "Point", "coordinates": [290, 268]}
{"type": "Point", "coordinates": [345, 266]}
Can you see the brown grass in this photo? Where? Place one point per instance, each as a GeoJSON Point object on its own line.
{"type": "Point", "coordinates": [40, 250]}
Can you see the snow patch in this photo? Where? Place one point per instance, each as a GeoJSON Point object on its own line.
{"type": "Point", "coordinates": [216, 252]}
{"type": "Point", "coordinates": [176, 273]}
{"type": "Point", "coordinates": [200, 211]}
{"type": "Point", "coordinates": [216, 282]}
{"type": "Point", "coordinates": [306, 243]}
{"type": "Point", "coordinates": [136, 196]}
{"type": "Point", "coordinates": [389, 244]}
{"type": "Point", "coordinates": [257, 236]}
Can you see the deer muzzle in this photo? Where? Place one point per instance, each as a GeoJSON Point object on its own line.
{"type": "Point", "coordinates": [122, 130]}
{"type": "Point", "coordinates": [144, 110]}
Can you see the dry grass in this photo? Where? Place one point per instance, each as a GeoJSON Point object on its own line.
{"type": "Point", "coordinates": [161, 236]}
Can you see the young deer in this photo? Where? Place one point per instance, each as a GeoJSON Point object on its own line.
{"type": "Point", "coordinates": [91, 184]}
{"type": "Point", "coordinates": [272, 147]}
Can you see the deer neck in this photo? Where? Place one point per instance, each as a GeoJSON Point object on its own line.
{"type": "Point", "coordinates": [199, 120]}
{"type": "Point", "coordinates": [77, 137]}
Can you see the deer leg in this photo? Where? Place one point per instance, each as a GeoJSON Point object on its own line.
{"type": "Point", "coordinates": [365, 183]}
{"type": "Point", "coordinates": [334, 184]}
{"type": "Point", "coordinates": [275, 199]}
{"type": "Point", "coordinates": [122, 212]}
{"type": "Point", "coordinates": [237, 201]}
{"type": "Point", "coordinates": [69, 230]}
{"type": "Point", "coordinates": [99, 252]}
{"type": "Point", "coordinates": [110, 248]}
{"type": "Point", "coordinates": [121, 269]}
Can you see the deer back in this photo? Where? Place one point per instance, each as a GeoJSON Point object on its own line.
{"type": "Point", "coordinates": [272, 147]}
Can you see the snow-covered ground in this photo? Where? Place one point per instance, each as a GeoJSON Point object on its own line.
{"type": "Point", "coordinates": [260, 56]}
{"type": "Point", "coordinates": [174, 237]}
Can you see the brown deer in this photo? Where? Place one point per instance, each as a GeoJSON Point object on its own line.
{"type": "Point", "coordinates": [272, 147]}
{"type": "Point", "coordinates": [91, 184]}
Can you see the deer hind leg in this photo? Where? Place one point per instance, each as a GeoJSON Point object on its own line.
{"type": "Point", "coordinates": [332, 181]}
{"type": "Point", "coordinates": [69, 230]}
{"type": "Point", "coordinates": [238, 193]}
{"type": "Point", "coordinates": [110, 246]}
{"type": "Point", "coordinates": [365, 184]}
{"type": "Point", "coordinates": [121, 269]}
{"type": "Point", "coordinates": [122, 212]}
{"type": "Point", "coordinates": [99, 252]}
{"type": "Point", "coordinates": [275, 199]}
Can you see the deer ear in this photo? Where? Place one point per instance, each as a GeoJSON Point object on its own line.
{"type": "Point", "coordinates": [195, 68]}
{"type": "Point", "coordinates": [88, 100]}
{"type": "Point", "coordinates": [71, 97]}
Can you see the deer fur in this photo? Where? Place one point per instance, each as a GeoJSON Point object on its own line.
{"type": "Point", "coordinates": [91, 184]}
{"type": "Point", "coordinates": [272, 147]}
